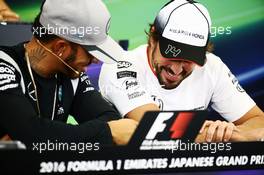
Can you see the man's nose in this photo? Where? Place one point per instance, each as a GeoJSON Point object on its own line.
{"type": "Point", "coordinates": [177, 67]}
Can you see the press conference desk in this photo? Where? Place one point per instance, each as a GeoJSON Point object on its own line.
{"type": "Point", "coordinates": [248, 157]}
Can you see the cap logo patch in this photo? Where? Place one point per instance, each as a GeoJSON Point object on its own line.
{"type": "Point", "coordinates": [172, 49]}
{"type": "Point", "coordinates": [187, 33]}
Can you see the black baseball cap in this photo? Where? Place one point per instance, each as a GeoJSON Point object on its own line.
{"type": "Point", "coordinates": [184, 28]}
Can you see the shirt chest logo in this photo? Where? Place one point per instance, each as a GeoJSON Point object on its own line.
{"type": "Point", "coordinates": [158, 101]}
{"type": "Point", "coordinates": [31, 91]}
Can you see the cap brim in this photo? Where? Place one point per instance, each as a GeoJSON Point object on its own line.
{"type": "Point", "coordinates": [108, 52]}
{"type": "Point", "coordinates": [179, 51]}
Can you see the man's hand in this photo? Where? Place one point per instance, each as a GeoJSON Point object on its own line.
{"type": "Point", "coordinates": [5, 138]}
{"type": "Point", "coordinates": [122, 130]}
{"type": "Point", "coordinates": [216, 131]}
{"type": "Point", "coordinates": [6, 14]}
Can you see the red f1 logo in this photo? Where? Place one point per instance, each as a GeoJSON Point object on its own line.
{"type": "Point", "coordinates": [178, 127]}
{"type": "Point", "coordinates": [180, 124]}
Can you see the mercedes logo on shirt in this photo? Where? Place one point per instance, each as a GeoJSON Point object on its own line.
{"type": "Point", "coordinates": [31, 91]}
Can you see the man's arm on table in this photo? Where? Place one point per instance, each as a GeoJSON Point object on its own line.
{"type": "Point", "coordinates": [250, 127]}
{"type": "Point", "coordinates": [89, 105]}
{"type": "Point", "coordinates": [137, 113]}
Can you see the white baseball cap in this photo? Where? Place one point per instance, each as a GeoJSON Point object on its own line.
{"type": "Point", "coordinates": [184, 28]}
{"type": "Point", "coordinates": [85, 22]}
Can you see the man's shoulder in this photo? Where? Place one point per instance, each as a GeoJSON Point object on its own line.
{"type": "Point", "coordinates": [12, 55]}
{"type": "Point", "coordinates": [213, 62]}
{"type": "Point", "coordinates": [132, 60]}
{"type": "Point", "coordinates": [9, 76]}
{"type": "Point", "coordinates": [211, 69]}
{"type": "Point", "coordinates": [6, 60]}
{"type": "Point", "coordinates": [137, 55]}
{"type": "Point", "coordinates": [10, 67]}
{"type": "Point", "coordinates": [131, 67]}
{"type": "Point", "coordinates": [212, 59]}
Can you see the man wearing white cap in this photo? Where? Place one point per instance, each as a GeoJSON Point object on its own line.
{"type": "Point", "coordinates": [175, 72]}
{"type": "Point", "coordinates": [43, 81]}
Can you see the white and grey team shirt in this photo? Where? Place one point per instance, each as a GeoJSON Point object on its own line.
{"type": "Point", "coordinates": [132, 83]}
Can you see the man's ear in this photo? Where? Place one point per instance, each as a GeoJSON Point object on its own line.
{"type": "Point", "coordinates": [61, 48]}
{"type": "Point", "coordinates": [152, 28]}
{"type": "Point", "coordinates": [151, 41]}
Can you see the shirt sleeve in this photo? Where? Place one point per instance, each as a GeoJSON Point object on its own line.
{"type": "Point", "coordinates": [20, 121]}
{"type": "Point", "coordinates": [229, 98]}
{"type": "Point", "coordinates": [9, 78]}
{"type": "Point", "coordinates": [120, 84]}
{"type": "Point", "coordinates": [88, 104]}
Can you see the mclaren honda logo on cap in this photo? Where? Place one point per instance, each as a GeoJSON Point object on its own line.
{"type": "Point", "coordinates": [187, 33]}
{"type": "Point", "coordinates": [172, 49]}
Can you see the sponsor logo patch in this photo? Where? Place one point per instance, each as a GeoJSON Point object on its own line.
{"type": "Point", "coordinates": [235, 82]}
{"type": "Point", "coordinates": [158, 101]}
{"type": "Point", "coordinates": [60, 111]}
{"type": "Point", "coordinates": [123, 64]}
{"type": "Point", "coordinates": [187, 33]}
{"type": "Point", "coordinates": [198, 108]}
{"type": "Point", "coordinates": [123, 74]}
{"type": "Point", "coordinates": [85, 78]}
{"type": "Point", "coordinates": [88, 89]}
{"type": "Point", "coordinates": [7, 77]}
{"type": "Point", "coordinates": [173, 50]}
{"type": "Point", "coordinates": [135, 95]}
{"type": "Point", "coordinates": [8, 86]}
{"type": "Point", "coordinates": [129, 83]}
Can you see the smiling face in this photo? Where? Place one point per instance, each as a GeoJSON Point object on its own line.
{"type": "Point", "coordinates": [170, 73]}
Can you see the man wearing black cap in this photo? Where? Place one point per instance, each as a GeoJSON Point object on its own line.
{"type": "Point", "coordinates": [42, 81]}
{"type": "Point", "coordinates": [175, 72]}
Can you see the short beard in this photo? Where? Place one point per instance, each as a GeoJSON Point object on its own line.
{"type": "Point", "coordinates": [72, 57]}
{"type": "Point", "coordinates": [169, 86]}
{"type": "Point", "coordinates": [69, 60]}
{"type": "Point", "coordinates": [158, 70]}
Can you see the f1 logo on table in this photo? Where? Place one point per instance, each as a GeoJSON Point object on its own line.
{"type": "Point", "coordinates": [177, 128]}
